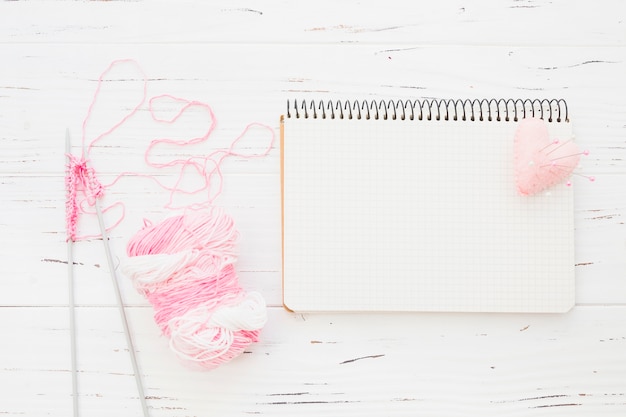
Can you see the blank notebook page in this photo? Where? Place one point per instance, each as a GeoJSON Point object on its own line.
{"type": "Point", "coordinates": [419, 215]}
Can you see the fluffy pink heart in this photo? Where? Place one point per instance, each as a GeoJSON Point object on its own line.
{"type": "Point", "coordinates": [540, 161]}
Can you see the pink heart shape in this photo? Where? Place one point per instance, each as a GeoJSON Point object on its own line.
{"type": "Point", "coordinates": [540, 162]}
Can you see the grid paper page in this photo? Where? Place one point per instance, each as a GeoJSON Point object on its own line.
{"type": "Point", "coordinates": [401, 215]}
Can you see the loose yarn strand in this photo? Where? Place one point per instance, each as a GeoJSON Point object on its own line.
{"type": "Point", "coordinates": [81, 181]}
{"type": "Point", "coordinates": [87, 148]}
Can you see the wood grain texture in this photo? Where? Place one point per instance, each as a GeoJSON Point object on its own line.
{"type": "Point", "coordinates": [491, 22]}
{"type": "Point", "coordinates": [348, 364]}
{"type": "Point", "coordinates": [246, 60]}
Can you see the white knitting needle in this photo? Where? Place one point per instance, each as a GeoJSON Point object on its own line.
{"type": "Point", "coordinates": [70, 285]}
{"type": "Point", "coordinates": [120, 306]}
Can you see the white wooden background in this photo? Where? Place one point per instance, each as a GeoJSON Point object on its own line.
{"type": "Point", "coordinates": [246, 59]}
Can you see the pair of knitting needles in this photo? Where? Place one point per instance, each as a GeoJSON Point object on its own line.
{"type": "Point", "coordinates": [120, 305]}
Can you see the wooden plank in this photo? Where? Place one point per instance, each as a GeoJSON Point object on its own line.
{"type": "Point", "coordinates": [48, 88]}
{"type": "Point", "coordinates": [34, 264]}
{"type": "Point", "coordinates": [490, 22]}
{"type": "Point", "coordinates": [35, 270]}
{"type": "Point", "coordinates": [361, 364]}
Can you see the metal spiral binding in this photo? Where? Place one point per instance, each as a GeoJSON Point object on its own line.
{"type": "Point", "coordinates": [432, 109]}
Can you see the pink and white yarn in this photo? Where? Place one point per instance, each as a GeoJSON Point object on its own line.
{"type": "Point", "coordinates": [184, 267]}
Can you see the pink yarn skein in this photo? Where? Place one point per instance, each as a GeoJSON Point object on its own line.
{"type": "Point", "coordinates": [184, 267]}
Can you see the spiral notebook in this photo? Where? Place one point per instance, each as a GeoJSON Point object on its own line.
{"type": "Point", "coordinates": [411, 206]}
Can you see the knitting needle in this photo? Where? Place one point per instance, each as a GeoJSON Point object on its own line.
{"type": "Point", "coordinates": [120, 305]}
{"type": "Point", "coordinates": [70, 285]}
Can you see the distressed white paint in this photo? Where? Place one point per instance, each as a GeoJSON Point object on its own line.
{"type": "Point", "coordinates": [246, 60]}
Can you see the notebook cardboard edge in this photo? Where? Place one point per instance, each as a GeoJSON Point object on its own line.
{"type": "Point", "coordinates": [282, 208]}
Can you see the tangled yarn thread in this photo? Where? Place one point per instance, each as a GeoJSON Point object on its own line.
{"type": "Point", "coordinates": [184, 265]}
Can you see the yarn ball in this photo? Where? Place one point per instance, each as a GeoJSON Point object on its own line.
{"type": "Point", "coordinates": [539, 161]}
{"type": "Point", "coordinates": [185, 267]}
